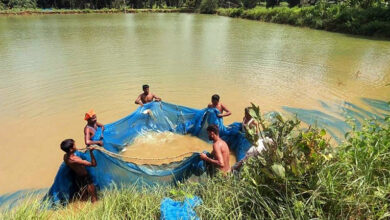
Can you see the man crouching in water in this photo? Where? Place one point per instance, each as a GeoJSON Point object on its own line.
{"type": "Point", "coordinates": [77, 165]}
{"type": "Point", "coordinates": [220, 153]}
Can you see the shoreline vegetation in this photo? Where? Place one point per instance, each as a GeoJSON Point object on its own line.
{"type": "Point", "coordinates": [299, 176]}
{"type": "Point", "coordinates": [92, 11]}
{"type": "Point", "coordinates": [357, 17]}
{"type": "Point", "coordinates": [335, 18]}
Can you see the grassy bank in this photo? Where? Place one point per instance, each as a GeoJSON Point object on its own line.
{"type": "Point", "coordinates": [17, 11]}
{"type": "Point", "coordinates": [373, 21]}
{"type": "Point", "coordinates": [299, 177]}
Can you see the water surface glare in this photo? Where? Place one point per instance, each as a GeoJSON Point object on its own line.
{"type": "Point", "coordinates": [55, 68]}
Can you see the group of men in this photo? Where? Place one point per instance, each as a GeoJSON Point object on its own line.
{"type": "Point", "coordinates": [219, 157]}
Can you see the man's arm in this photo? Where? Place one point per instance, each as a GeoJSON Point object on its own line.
{"type": "Point", "coordinates": [93, 160]}
{"type": "Point", "coordinates": [87, 138]}
{"type": "Point", "coordinates": [138, 101]}
{"type": "Point", "coordinates": [224, 109]}
{"type": "Point", "coordinates": [102, 126]}
{"type": "Point", "coordinates": [219, 159]}
{"type": "Point", "coordinates": [158, 99]}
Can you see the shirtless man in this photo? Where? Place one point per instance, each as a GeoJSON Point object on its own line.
{"type": "Point", "coordinates": [91, 128]}
{"type": "Point", "coordinates": [77, 165]}
{"type": "Point", "coordinates": [220, 153]}
{"type": "Point", "coordinates": [216, 104]}
{"type": "Point", "coordinates": [146, 97]}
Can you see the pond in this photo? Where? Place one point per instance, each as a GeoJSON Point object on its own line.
{"type": "Point", "coordinates": [55, 68]}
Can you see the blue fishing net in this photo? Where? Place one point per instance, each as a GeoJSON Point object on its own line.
{"type": "Point", "coordinates": [177, 210]}
{"type": "Point", "coordinates": [156, 117]}
{"type": "Point", "coordinates": [162, 117]}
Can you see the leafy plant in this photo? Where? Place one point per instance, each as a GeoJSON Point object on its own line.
{"type": "Point", "coordinates": [289, 165]}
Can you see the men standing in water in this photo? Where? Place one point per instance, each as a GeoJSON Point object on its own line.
{"type": "Point", "coordinates": [91, 128]}
{"type": "Point", "coordinates": [146, 97]}
{"type": "Point", "coordinates": [216, 104]}
{"type": "Point", "coordinates": [220, 153]}
{"type": "Point", "coordinates": [85, 186]}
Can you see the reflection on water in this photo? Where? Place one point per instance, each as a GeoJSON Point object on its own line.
{"type": "Point", "coordinates": [54, 68]}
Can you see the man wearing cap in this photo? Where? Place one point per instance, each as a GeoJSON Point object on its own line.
{"type": "Point", "coordinates": [91, 128]}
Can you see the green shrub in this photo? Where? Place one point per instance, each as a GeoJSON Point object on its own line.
{"type": "Point", "coordinates": [2, 5]}
{"type": "Point", "coordinates": [22, 4]}
{"type": "Point", "coordinates": [208, 6]}
{"type": "Point", "coordinates": [376, 28]}
{"type": "Point", "coordinates": [340, 18]}
{"type": "Point", "coordinates": [231, 12]}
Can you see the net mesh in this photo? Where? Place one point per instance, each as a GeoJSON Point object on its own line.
{"type": "Point", "coordinates": [114, 168]}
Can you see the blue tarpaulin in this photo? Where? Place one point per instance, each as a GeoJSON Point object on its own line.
{"type": "Point", "coordinates": [157, 117]}
{"type": "Point", "coordinates": [176, 210]}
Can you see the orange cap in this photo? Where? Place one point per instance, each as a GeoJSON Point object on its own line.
{"type": "Point", "coordinates": [89, 114]}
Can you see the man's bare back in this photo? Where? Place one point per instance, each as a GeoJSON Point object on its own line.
{"type": "Point", "coordinates": [218, 106]}
{"type": "Point", "coordinates": [222, 147]}
{"type": "Point", "coordinates": [220, 153]}
{"type": "Point", "coordinates": [76, 164]}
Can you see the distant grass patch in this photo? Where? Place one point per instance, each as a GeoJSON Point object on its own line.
{"type": "Point", "coordinates": [371, 21]}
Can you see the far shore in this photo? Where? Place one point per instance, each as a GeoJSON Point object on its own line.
{"type": "Point", "coordinates": [91, 11]}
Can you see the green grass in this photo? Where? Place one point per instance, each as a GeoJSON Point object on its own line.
{"type": "Point", "coordinates": [371, 21]}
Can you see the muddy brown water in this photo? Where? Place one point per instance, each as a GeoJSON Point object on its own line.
{"type": "Point", "coordinates": [54, 68]}
{"type": "Point", "coordinates": [159, 148]}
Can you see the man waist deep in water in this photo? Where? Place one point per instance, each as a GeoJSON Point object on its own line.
{"type": "Point", "coordinates": [146, 96]}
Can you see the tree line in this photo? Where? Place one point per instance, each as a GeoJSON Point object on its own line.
{"type": "Point", "coordinates": [190, 4]}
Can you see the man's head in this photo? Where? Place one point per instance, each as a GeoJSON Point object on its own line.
{"type": "Point", "coordinates": [213, 132]}
{"type": "Point", "coordinates": [215, 99]}
{"type": "Point", "coordinates": [145, 88]}
{"type": "Point", "coordinates": [90, 116]}
{"type": "Point", "coordinates": [68, 145]}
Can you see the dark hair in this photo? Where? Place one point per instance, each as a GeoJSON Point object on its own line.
{"type": "Point", "coordinates": [215, 97]}
{"type": "Point", "coordinates": [67, 144]}
{"type": "Point", "coordinates": [213, 128]}
{"type": "Point", "coordinates": [145, 87]}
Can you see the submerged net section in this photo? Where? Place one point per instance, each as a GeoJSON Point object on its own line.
{"type": "Point", "coordinates": [333, 115]}
{"type": "Point", "coordinates": [114, 166]}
